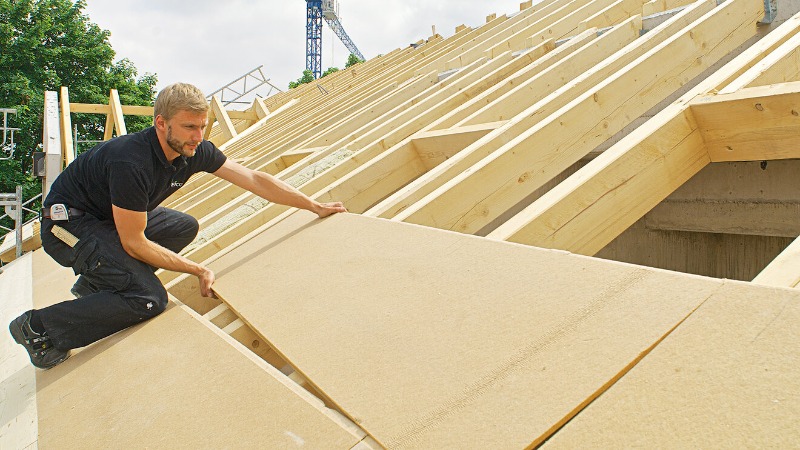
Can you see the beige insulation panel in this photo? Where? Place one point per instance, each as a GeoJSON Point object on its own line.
{"type": "Point", "coordinates": [433, 339]}
{"type": "Point", "coordinates": [728, 377]}
{"type": "Point", "coordinates": [172, 382]}
{"type": "Point", "coordinates": [175, 383]}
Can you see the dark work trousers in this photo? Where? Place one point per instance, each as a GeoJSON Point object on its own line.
{"type": "Point", "coordinates": [128, 292]}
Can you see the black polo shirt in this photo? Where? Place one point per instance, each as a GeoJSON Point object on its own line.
{"type": "Point", "coordinates": [130, 172]}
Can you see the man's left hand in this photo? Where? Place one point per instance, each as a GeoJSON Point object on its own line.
{"type": "Point", "coordinates": [326, 209]}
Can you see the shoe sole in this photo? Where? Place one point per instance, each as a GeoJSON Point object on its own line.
{"type": "Point", "coordinates": [16, 332]}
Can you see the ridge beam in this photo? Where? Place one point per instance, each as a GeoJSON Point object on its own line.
{"type": "Point", "coordinates": [753, 124]}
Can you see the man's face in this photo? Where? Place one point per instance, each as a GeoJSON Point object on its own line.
{"type": "Point", "coordinates": [185, 132]}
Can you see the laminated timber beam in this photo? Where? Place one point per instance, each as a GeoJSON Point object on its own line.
{"type": "Point", "coordinates": [363, 186]}
{"type": "Point", "coordinates": [753, 124]}
{"type": "Point", "coordinates": [456, 116]}
{"type": "Point", "coordinates": [658, 6]}
{"type": "Point", "coordinates": [433, 147]}
{"type": "Point", "coordinates": [475, 49]}
{"type": "Point", "coordinates": [383, 131]}
{"type": "Point", "coordinates": [562, 23]}
{"type": "Point", "coordinates": [115, 120]}
{"type": "Point", "coordinates": [612, 14]}
{"type": "Point", "coordinates": [92, 108]}
{"type": "Point", "coordinates": [780, 66]}
{"type": "Point", "coordinates": [224, 121]}
{"type": "Point", "coordinates": [531, 102]}
{"type": "Point", "coordinates": [783, 271]}
{"type": "Point", "coordinates": [587, 65]}
{"type": "Point", "coordinates": [498, 182]}
{"type": "Point", "coordinates": [601, 200]}
{"type": "Point", "coordinates": [67, 145]}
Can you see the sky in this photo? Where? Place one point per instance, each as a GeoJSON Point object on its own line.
{"type": "Point", "coordinates": [210, 43]}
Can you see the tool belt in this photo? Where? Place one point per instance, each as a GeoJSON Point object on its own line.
{"type": "Point", "coordinates": [61, 212]}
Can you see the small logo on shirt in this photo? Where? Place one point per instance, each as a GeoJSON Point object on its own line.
{"type": "Point", "coordinates": [176, 184]}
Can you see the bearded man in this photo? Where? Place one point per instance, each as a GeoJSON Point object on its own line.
{"type": "Point", "coordinates": [102, 218]}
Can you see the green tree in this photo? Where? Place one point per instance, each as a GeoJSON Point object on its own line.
{"type": "Point", "coordinates": [352, 60]}
{"type": "Point", "coordinates": [329, 71]}
{"type": "Point", "coordinates": [46, 44]}
{"type": "Point", "coordinates": [307, 77]}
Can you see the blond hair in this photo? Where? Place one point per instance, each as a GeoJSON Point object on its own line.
{"type": "Point", "coordinates": [179, 97]}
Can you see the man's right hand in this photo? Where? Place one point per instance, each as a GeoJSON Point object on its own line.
{"type": "Point", "coordinates": [206, 277]}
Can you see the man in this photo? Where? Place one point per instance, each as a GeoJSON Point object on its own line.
{"type": "Point", "coordinates": [108, 199]}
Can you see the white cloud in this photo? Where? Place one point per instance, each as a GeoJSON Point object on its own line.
{"type": "Point", "coordinates": [209, 43]}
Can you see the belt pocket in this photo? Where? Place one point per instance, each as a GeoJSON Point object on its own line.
{"type": "Point", "coordinates": [101, 271]}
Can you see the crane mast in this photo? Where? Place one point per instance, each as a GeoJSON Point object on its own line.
{"type": "Point", "coordinates": [316, 11]}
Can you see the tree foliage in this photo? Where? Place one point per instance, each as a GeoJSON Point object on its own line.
{"type": "Point", "coordinates": [329, 71]}
{"type": "Point", "coordinates": [46, 44]}
{"type": "Point", "coordinates": [352, 60]}
{"type": "Point", "coordinates": [307, 77]}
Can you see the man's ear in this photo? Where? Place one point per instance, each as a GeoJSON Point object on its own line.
{"type": "Point", "coordinates": [160, 122]}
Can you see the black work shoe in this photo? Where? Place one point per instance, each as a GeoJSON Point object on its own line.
{"type": "Point", "coordinates": [39, 346]}
{"type": "Point", "coordinates": [82, 287]}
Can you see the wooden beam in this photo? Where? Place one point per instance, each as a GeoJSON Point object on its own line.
{"type": "Point", "coordinates": [476, 49]}
{"type": "Point", "coordinates": [260, 107]}
{"type": "Point", "coordinates": [116, 113]}
{"type": "Point", "coordinates": [93, 108]}
{"type": "Point", "coordinates": [658, 6]}
{"type": "Point", "coordinates": [753, 124]}
{"type": "Point", "coordinates": [223, 119]}
{"type": "Point", "coordinates": [600, 201]}
{"type": "Point", "coordinates": [108, 130]}
{"type": "Point", "coordinates": [67, 146]}
{"type": "Point", "coordinates": [433, 147]}
{"type": "Point", "coordinates": [242, 115]}
{"type": "Point", "coordinates": [593, 61]}
{"type": "Point", "coordinates": [211, 119]}
{"type": "Point", "coordinates": [779, 66]}
{"type": "Point", "coordinates": [524, 92]}
{"type": "Point", "coordinates": [783, 271]}
{"type": "Point", "coordinates": [560, 24]}
{"type": "Point", "coordinates": [529, 103]}
{"type": "Point", "coordinates": [624, 183]}
{"type": "Point", "coordinates": [612, 14]}
{"type": "Point", "coordinates": [476, 197]}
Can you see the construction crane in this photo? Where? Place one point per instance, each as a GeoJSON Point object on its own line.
{"type": "Point", "coordinates": [316, 10]}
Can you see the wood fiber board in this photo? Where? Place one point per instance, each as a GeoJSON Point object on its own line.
{"type": "Point", "coordinates": [172, 382]}
{"type": "Point", "coordinates": [434, 339]}
{"type": "Point", "coordinates": [728, 377]}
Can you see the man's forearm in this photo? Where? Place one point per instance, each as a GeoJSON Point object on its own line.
{"type": "Point", "coordinates": [155, 255]}
{"type": "Point", "coordinates": [278, 191]}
